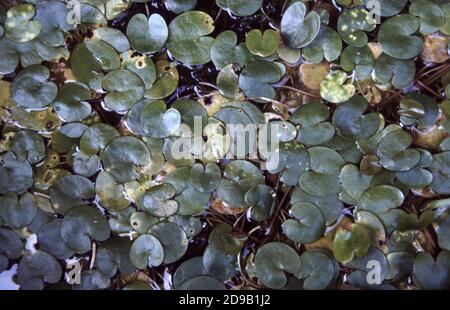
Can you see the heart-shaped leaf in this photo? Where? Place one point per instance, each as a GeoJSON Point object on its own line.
{"type": "Point", "coordinates": [334, 88]}
{"type": "Point", "coordinates": [272, 260]}
{"type": "Point", "coordinates": [30, 89]}
{"type": "Point", "coordinates": [19, 25]}
{"type": "Point", "coordinates": [81, 224]}
{"type": "Point", "coordinates": [396, 37]}
{"type": "Point", "coordinates": [188, 41]}
{"type": "Point", "coordinates": [263, 44]}
{"type": "Point", "coordinates": [147, 35]}
{"type": "Point", "coordinates": [299, 29]}
{"type": "Point", "coordinates": [158, 201]}
{"type": "Point", "coordinates": [308, 226]}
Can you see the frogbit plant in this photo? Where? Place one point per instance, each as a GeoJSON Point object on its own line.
{"type": "Point", "coordinates": [226, 144]}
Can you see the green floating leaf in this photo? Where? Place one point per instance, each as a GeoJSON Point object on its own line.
{"type": "Point", "coordinates": [334, 88]}
{"type": "Point", "coordinates": [71, 104]}
{"type": "Point", "coordinates": [31, 88]}
{"type": "Point", "coordinates": [166, 82]}
{"type": "Point", "coordinates": [85, 165]}
{"type": "Point", "coordinates": [125, 168]}
{"type": "Point", "coordinates": [28, 145]}
{"type": "Point", "coordinates": [353, 181]}
{"type": "Point", "coordinates": [113, 37]}
{"type": "Point", "coordinates": [71, 191]}
{"type": "Point", "coordinates": [92, 280]}
{"type": "Point", "coordinates": [143, 66]}
{"type": "Point", "coordinates": [358, 59]}
{"type": "Point", "coordinates": [308, 226]}
{"type": "Point", "coordinates": [327, 44]}
{"type": "Point", "coordinates": [146, 251]}
{"type": "Point", "coordinates": [96, 137]}
{"type": "Point", "coordinates": [173, 239]}
{"type": "Point", "coordinates": [420, 109]}
{"type": "Point", "coordinates": [396, 37]}
{"type": "Point", "coordinates": [330, 206]}
{"type": "Point", "coordinates": [158, 122]}
{"type": "Point", "coordinates": [190, 200]}
{"type": "Point", "coordinates": [388, 7]}
{"type": "Point", "coordinates": [188, 41]}
{"type": "Point", "coordinates": [261, 200]}
{"type": "Point", "coordinates": [50, 240]}
{"type": "Point", "coordinates": [224, 50]}
{"type": "Point", "coordinates": [53, 17]}
{"type": "Point", "coordinates": [291, 159]}
{"type": "Point", "coordinates": [38, 268]}
{"type": "Point", "coordinates": [113, 256]}
{"type": "Point", "coordinates": [239, 177]}
{"type": "Point", "coordinates": [256, 77]}
{"type": "Point", "coordinates": [431, 16]}
{"type": "Point", "coordinates": [444, 234]}
{"type": "Point", "coordinates": [205, 179]}
{"type": "Point", "coordinates": [318, 269]}
{"type": "Point", "coordinates": [228, 82]}
{"type": "Point", "coordinates": [353, 25]}
{"type": "Point", "coordinates": [180, 6]}
{"type": "Point", "coordinates": [432, 274]}
{"type": "Point", "coordinates": [241, 7]}
{"type": "Point", "coordinates": [350, 243]}
{"type": "Point", "coordinates": [400, 265]}
{"type": "Point", "coordinates": [364, 265]}
{"type": "Point", "coordinates": [15, 175]}
{"type": "Point", "coordinates": [219, 264]}
{"type": "Point", "coordinates": [263, 44]}
{"type": "Point", "coordinates": [81, 224]}
{"type": "Point", "coordinates": [322, 177]}
{"type": "Point", "coordinates": [110, 194]}
{"type": "Point", "coordinates": [223, 239]}
{"type": "Point", "coordinates": [381, 199]}
{"type": "Point", "coordinates": [158, 201]}
{"type": "Point", "coordinates": [352, 123]}
{"type": "Point", "coordinates": [192, 114]}
{"type": "Point", "coordinates": [272, 260]}
{"type": "Point", "coordinates": [10, 244]}
{"type": "Point", "coordinates": [188, 270]}
{"type": "Point", "coordinates": [297, 28]}
{"type": "Point", "coordinates": [17, 212]}
{"type": "Point", "coordinates": [398, 72]}
{"type": "Point", "coordinates": [314, 130]}
{"type": "Point", "coordinates": [147, 35]}
{"type": "Point", "coordinates": [19, 25]}
{"type": "Point", "coordinates": [125, 89]}
{"type": "Point", "coordinates": [92, 57]}
{"type": "Point", "coordinates": [394, 151]}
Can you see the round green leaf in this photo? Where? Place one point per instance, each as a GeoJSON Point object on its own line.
{"type": "Point", "coordinates": [30, 89]}
{"type": "Point", "coordinates": [308, 226]}
{"type": "Point", "coordinates": [188, 41]}
{"type": "Point", "coordinates": [334, 88]}
{"type": "Point", "coordinates": [19, 25]}
{"type": "Point", "coordinates": [173, 239]}
{"type": "Point", "coordinates": [146, 251]}
{"type": "Point", "coordinates": [205, 179]}
{"type": "Point", "coordinates": [396, 37]}
{"type": "Point", "coordinates": [272, 260]}
{"type": "Point", "coordinates": [263, 44]}
{"type": "Point", "coordinates": [298, 29]}
{"type": "Point", "coordinates": [81, 224]}
{"type": "Point", "coordinates": [158, 201]}
{"type": "Point", "coordinates": [147, 35]}
{"type": "Point", "coordinates": [18, 212]}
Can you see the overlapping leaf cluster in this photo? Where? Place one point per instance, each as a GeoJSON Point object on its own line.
{"type": "Point", "coordinates": [91, 114]}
